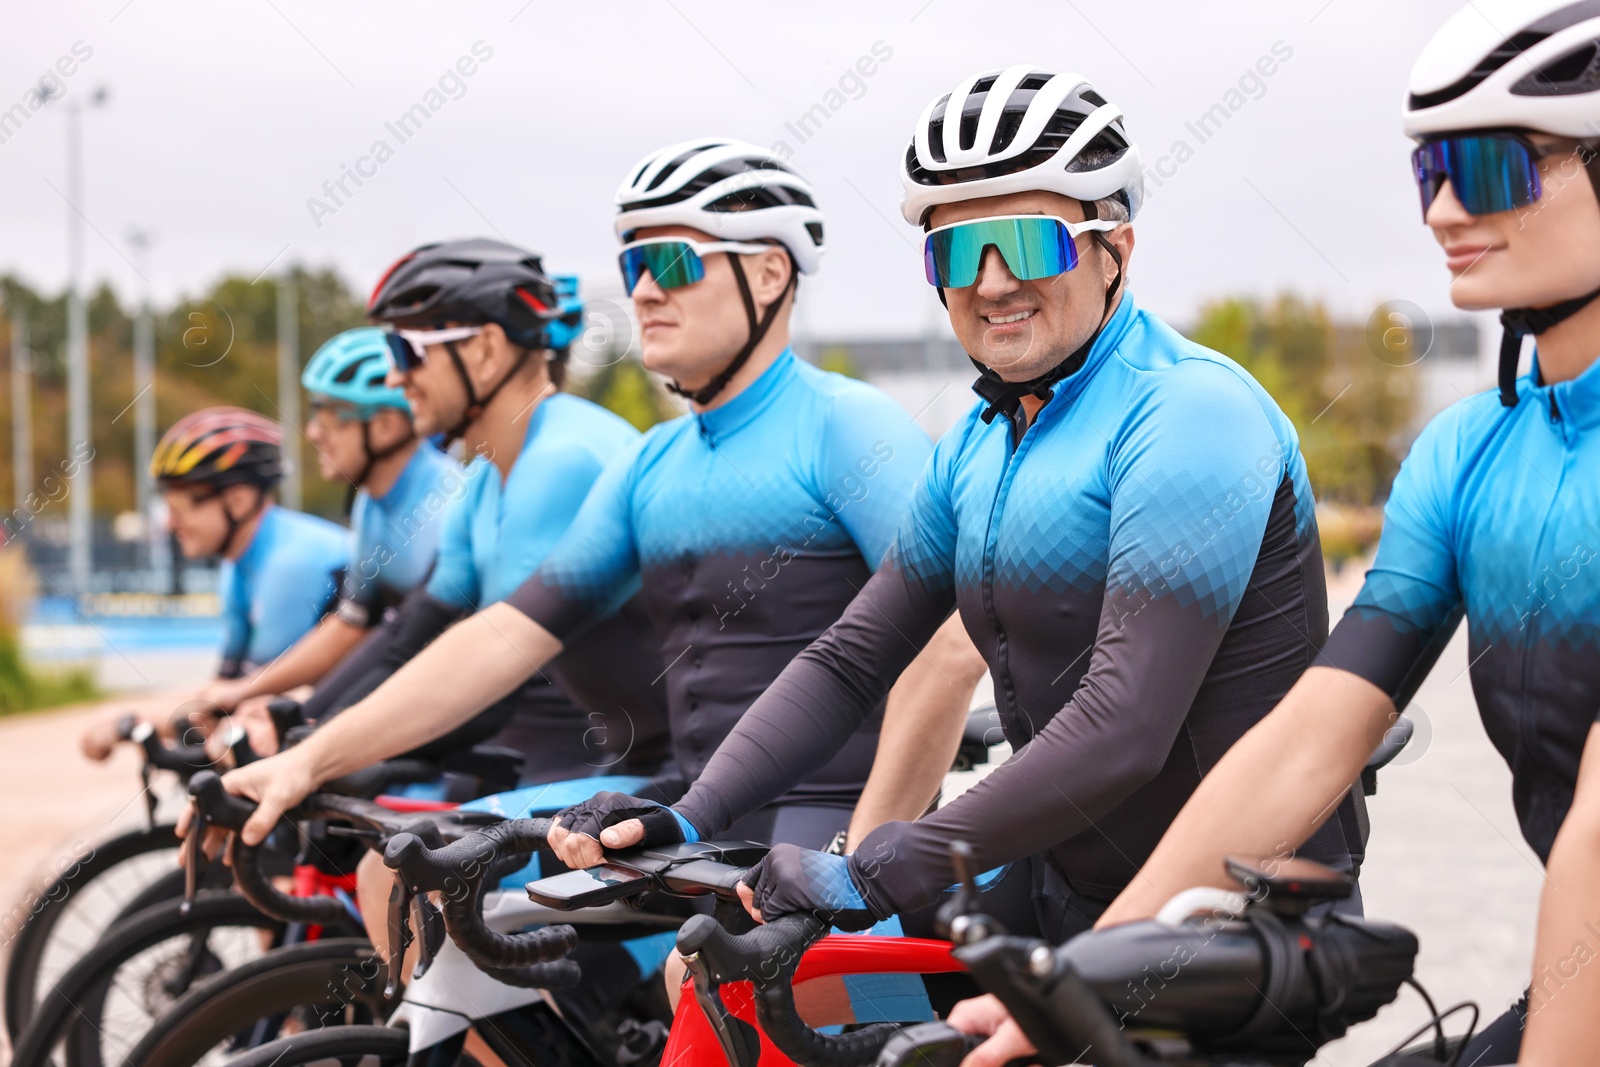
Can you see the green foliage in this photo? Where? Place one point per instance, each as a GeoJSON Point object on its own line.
{"type": "Point", "coordinates": [625, 387]}
{"type": "Point", "coordinates": [837, 358]}
{"type": "Point", "coordinates": [219, 347]}
{"type": "Point", "coordinates": [1351, 408]}
{"type": "Point", "coordinates": [23, 688]}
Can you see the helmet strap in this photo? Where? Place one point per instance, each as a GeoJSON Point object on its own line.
{"type": "Point", "coordinates": [234, 524]}
{"type": "Point", "coordinates": [475, 403]}
{"type": "Point", "coordinates": [1006, 397]}
{"type": "Point", "coordinates": [372, 455]}
{"type": "Point", "coordinates": [758, 330]}
{"type": "Point", "coordinates": [1517, 323]}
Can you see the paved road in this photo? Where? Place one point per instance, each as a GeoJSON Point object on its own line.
{"type": "Point", "coordinates": [1445, 858]}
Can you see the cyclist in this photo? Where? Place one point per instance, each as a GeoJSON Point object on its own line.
{"type": "Point", "coordinates": [1123, 523]}
{"type": "Point", "coordinates": [217, 470]}
{"type": "Point", "coordinates": [361, 428]}
{"type": "Point", "coordinates": [750, 522]}
{"type": "Point", "coordinates": [478, 337]}
{"type": "Point", "coordinates": [1494, 515]}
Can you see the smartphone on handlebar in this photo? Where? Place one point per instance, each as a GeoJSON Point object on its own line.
{"type": "Point", "coordinates": [690, 869]}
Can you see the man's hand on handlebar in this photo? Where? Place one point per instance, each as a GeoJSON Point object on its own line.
{"type": "Point", "coordinates": [580, 835]}
{"type": "Point", "coordinates": [792, 880]}
{"type": "Point", "coordinates": [101, 737]}
{"type": "Point", "coordinates": [277, 784]}
{"type": "Point", "coordinates": [259, 729]}
{"type": "Point", "coordinates": [987, 1016]}
{"type": "Point", "coordinates": [226, 693]}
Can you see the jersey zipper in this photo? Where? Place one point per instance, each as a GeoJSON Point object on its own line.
{"type": "Point", "coordinates": [1016, 444]}
{"type": "Point", "coordinates": [1536, 623]}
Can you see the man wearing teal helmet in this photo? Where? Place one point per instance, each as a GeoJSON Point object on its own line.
{"type": "Point", "coordinates": [362, 430]}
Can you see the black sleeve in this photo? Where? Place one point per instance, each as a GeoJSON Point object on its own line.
{"type": "Point", "coordinates": [414, 625]}
{"type": "Point", "coordinates": [820, 699]}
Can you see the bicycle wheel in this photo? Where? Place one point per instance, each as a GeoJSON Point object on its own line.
{"type": "Point", "coordinates": [66, 917]}
{"type": "Point", "coordinates": [343, 1046]}
{"type": "Point", "coordinates": [292, 989]}
{"type": "Point", "coordinates": [108, 999]}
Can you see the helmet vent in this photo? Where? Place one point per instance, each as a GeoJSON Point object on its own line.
{"type": "Point", "coordinates": [1576, 72]}
{"type": "Point", "coordinates": [972, 111]}
{"type": "Point", "coordinates": [348, 374]}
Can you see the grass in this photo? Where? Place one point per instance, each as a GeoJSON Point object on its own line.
{"type": "Point", "coordinates": [23, 687]}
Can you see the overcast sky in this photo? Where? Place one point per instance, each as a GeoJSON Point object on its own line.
{"type": "Point", "coordinates": [224, 120]}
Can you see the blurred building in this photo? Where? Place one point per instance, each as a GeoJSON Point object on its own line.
{"type": "Point", "coordinates": [932, 377]}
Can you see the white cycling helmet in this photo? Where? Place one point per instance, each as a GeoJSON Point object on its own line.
{"type": "Point", "coordinates": [1019, 130]}
{"type": "Point", "coordinates": [731, 189]}
{"type": "Point", "coordinates": [1520, 64]}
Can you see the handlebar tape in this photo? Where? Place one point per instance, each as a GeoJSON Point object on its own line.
{"type": "Point", "coordinates": [459, 871]}
{"type": "Point", "coordinates": [766, 957]}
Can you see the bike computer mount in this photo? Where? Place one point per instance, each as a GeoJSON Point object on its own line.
{"type": "Point", "coordinates": [687, 869]}
{"type": "Point", "coordinates": [1287, 885]}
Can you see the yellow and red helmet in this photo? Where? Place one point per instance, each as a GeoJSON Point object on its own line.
{"type": "Point", "coordinates": [219, 447]}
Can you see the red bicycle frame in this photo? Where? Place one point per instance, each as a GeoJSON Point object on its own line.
{"type": "Point", "coordinates": [309, 881]}
{"type": "Point", "coordinates": [693, 1043]}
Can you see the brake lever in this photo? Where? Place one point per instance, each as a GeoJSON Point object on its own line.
{"type": "Point", "coordinates": [427, 925]}
{"type": "Point", "coordinates": [399, 927]}
{"type": "Point", "coordinates": [194, 856]}
{"type": "Point", "coordinates": [739, 1039]}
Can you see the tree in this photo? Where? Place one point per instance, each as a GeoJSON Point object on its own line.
{"type": "Point", "coordinates": [1351, 408]}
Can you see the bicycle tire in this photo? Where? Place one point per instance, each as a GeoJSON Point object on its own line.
{"type": "Point", "coordinates": [352, 1046]}
{"type": "Point", "coordinates": [32, 941]}
{"type": "Point", "coordinates": [72, 1011]}
{"type": "Point", "coordinates": [345, 971]}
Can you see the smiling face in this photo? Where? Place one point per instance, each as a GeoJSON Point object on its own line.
{"type": "Point", "coordinates": [690, 333]}
{"type": "Point", "coordinates": [1535, 256]}
{"type": "Point", "coordinates": [1022, 329]}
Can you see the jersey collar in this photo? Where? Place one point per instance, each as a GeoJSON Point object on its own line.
{"type": "Point", "coordinates": [401, 488]}
{"type": "Point", "coordinates": [1068, 389]}
{"type": "Point", "coordinates": [726, 419]}
{"type": "Point", "coordinates": [1574, 404]}
{"type": "Point", "coordinates": [250, 558]}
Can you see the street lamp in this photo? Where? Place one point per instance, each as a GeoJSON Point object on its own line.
{"type": "Point", "coordinates": [79, 512]}
{"type": "Point", "coordinates": [144, 379]}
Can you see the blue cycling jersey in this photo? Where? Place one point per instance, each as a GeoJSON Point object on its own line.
{"type": "Point", "coordinates": [751, 526]}
{"type": "Point", "coordinates": [395, 537]}
{"type": "Point", "coordinates": [1141, 570]}
{"type": "Point", "coordinates": [280, 586]}
{"type": "Point", "coordinates": [1496, 514]}
{"type": "Point", "coordinates": [498, 532]}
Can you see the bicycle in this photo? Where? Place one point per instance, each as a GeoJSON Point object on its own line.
{"type": "Point", "coordinates": [1258, 982]}
{"type": "Point", "coordinates": [114, 880]}
{"type": "Point", "coordinates": [109, 997]}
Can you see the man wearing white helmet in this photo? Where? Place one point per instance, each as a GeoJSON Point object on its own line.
{"type": "Point", "coordinates": [1123, 525]}
{"type": "Point", "coordinates": [749, 523]}
{"type": "Point", "coordinates": [1494, 515]}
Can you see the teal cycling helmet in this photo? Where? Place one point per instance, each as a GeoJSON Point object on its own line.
{"type": "Point", "coordinates": [351, 369]}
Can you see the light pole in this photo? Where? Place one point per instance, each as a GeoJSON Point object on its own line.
{"type": "Point", "coordinates": [79, 510]}
{"type": "Point", "coordinates": [21, 409]}
{"type": "Point", "coordinates": [144, 385]}
{"type": "Point", "coordinates": [289, 385]}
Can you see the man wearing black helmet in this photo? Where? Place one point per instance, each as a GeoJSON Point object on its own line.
{"type": "Point", "coordinates": [750, 523]}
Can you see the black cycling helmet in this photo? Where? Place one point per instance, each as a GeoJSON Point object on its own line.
{"type": "Point", "coordinates": [477, 281]}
